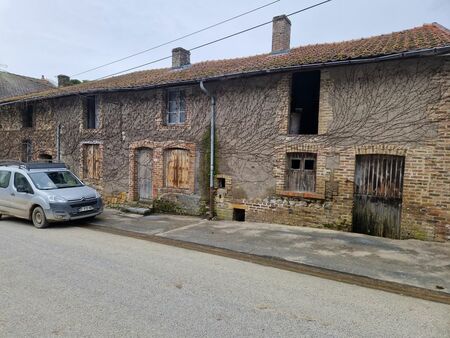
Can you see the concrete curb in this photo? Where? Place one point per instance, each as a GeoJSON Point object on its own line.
{"type": "Point", "coordinates": [279, 263]}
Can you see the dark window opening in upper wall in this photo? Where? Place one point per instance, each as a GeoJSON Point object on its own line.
{"type": "Point", "coordinates": [91, 113]}
{"type": "Point", "coordinates": [305, 93]}
{"type": "Point", "coordinates": [27, 117]}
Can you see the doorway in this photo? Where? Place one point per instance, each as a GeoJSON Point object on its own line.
{"type": "Point", "coordinates": [377, 199]}
{"type": "Point", "coordinates": [144, 173]}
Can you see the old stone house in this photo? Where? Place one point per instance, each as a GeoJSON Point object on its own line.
{"type": "Point", "coordinates": [351, 135]}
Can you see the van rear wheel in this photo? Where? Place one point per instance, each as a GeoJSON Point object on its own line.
{"type": "Point", "coordinates": [38, 218]}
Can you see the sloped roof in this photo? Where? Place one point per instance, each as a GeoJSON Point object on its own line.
{"type": "Point", "coordinates": [419, 39]}
{"type": "Point", "coordinates": [13, 85]}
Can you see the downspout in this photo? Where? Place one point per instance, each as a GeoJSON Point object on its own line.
{"type": "Point", "coordinates": [212, 150]}
{"type": "Point", "coordinates": [58, 143]}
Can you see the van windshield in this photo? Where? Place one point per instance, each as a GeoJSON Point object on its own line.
{"type": "Point", "coordinates": [54, 180]}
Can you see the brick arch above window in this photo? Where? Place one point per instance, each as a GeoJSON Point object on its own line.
{"type": "Point", "coordinates": [386, 149]}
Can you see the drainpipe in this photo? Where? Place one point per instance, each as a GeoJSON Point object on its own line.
{"type": "Point", "coordinates": [211, 170]}
{"type": "Point", "coordinates": [58, 143]}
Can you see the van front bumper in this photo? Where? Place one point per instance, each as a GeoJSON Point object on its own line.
{"type": "Point", "coordinates": [74, 210]}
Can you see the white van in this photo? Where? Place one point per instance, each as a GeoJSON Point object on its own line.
{"type": "Point", "coordinates": [45, 192]}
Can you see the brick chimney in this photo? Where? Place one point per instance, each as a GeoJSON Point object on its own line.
{"type": "Point", "coordinates": [63, 80]}
{"type": "Point", "coordinates": [180, 57]}
{"type": "Point", "coordinates": [281, 34]}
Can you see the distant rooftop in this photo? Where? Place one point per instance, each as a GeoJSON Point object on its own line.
{"type": "Point", "coordinates": [17, 85]}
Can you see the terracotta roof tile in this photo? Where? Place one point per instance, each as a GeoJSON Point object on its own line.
{"type": "Point", "coordinates": [415, 39]}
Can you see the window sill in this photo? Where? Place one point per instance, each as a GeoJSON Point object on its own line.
{"type": "Point", "coordinates": [174, 125]}
{"type": "Point", "coordinates": [303, 135]}
{"type": "Point", "coordinates": [165, 190]}
{"type": "Point", "coordinates": [304, 194]}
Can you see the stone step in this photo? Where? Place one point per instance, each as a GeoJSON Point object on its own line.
{"type": "Point", "coordinates": [136, 210]}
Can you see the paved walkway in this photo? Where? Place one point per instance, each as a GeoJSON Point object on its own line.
{"type": "Point", "coordinates": [410, 262]}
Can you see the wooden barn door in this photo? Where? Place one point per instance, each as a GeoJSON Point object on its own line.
{"type": "Point", "coordinates": [377, 201]}
{"type": "Point", "coordinates": [144, 173]}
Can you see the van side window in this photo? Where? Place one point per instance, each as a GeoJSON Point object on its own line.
{"type": "Point", "coordinates": [4, 179]}
{"type": "Point", "coordinates": [20, 180]}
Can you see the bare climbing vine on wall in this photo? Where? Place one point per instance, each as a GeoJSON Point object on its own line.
{"type": "Point", "coordinates": [379, 103]}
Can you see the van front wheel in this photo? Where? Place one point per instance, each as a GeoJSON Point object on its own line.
{"type": "Point", "coordinates": [38, 218]}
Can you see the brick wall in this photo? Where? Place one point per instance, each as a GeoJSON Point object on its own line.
{"type": "Point", "coordinates": [425, 211]}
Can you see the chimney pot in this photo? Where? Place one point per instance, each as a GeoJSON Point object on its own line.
{"type": "Point", "coordinates": [180, 57]}
{"type": "Point", "coordinates": [63, 80]}
{"type": "Point", "coordinates": [281, 34]}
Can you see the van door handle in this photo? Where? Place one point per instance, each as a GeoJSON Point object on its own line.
{"type": "Point", "coordinates": [13, 194]}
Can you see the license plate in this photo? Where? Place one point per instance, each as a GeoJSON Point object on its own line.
{"type": "Point", "coordinates": [86, 208]}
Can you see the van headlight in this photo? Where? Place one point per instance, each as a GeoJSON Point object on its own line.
{"type": "Point", "coordinates": [97, 195]}
{"type": "Point", "coordinates": [56, 199]}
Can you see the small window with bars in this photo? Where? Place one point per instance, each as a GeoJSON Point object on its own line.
{"type": "Point", "coordinates": [301, 172]}
{"type": "Point", "coordinates": [176, 107]}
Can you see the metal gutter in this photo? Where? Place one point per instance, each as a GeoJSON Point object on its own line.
{"type": "Point", "coordinates": [396, 56]}
{"type": "Point", "coordinates": [212, 150]}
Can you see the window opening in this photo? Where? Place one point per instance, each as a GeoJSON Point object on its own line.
{"type": "Point", "coordinates": [305, 93]}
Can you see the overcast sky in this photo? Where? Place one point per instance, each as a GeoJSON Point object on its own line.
{"type": "Point", "coordinates": [50, 37]}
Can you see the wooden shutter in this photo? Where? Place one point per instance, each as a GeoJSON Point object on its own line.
{"type": "Point", "coordinates": [177, 168]}
{"type": "Point", "coordinates": [183, 175]}
{"type": "Point", "coordinates": [92, 161]}
{"type": "Point", "coordinates": [96, 161]}
{"type": "Point", "coordinates": [302, 176]}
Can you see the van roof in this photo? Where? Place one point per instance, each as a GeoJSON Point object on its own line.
{"type": "Point", "coordinates": [33, 165]}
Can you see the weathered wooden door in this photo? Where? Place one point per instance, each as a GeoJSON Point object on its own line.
{"type": "Point", "coordinates": [144, 173]}
{"type": "Point", "coordinates": [177, 168]}
{"type": "Point", "coordinates": [377, 201]}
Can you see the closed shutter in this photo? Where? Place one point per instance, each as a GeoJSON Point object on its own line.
{"type": "Point", "coordinates": [301, 172]}
{"type": "Point", "coordinates": [177, 169]}
{"type": "Point", "coordinates": [91, 161]}
{"type": "Point", "coordinates": [96, 162]}
{"type": "Point", "coordinates": [87, 161]}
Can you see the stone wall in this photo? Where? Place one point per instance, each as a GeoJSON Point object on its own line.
{"type": "Point", "coordinates": [425, 211]}
{"type": "Point", "coordinates": [361, 110]}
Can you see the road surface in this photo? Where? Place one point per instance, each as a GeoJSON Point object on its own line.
{"type": "Point", "coordinates": [72, 281]}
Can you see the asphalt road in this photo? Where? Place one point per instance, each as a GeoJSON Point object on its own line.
{"type": "Point", "coordinates": [72, 281]}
